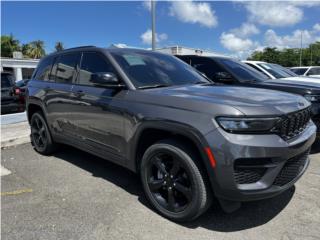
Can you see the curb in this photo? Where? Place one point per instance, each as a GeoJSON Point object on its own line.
{"type": "Point", "coordinates": [14, 134]}
{"type": "Point", "coordinates": [15, 141]}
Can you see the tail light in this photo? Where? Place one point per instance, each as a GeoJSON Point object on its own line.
{"type": "Point", "coordinates": [17, 91]}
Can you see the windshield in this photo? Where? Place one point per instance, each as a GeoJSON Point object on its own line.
{"type": "Point", "coordinates": [240, 70]}
{"type": "Point", "coordinates": [6, 80]}
{"type": "Point", "coordinates": [150, 69]}
{"type": "Point", "coordinates": [299, 71]}
{"type": "Point", "coordinates": [286, 70]}
{"type": "Point", "coordinates": [274, 71]}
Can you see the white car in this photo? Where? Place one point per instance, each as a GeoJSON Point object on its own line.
{"type": "Point", "coordinates": [275, 71]}
{"type": "Point", "coordinates": [313, 71]}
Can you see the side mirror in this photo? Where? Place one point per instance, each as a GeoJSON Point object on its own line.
{"type": "Point", "coordinates": [223, 77]}
{"type": "Point", "coordinates": [107, 79]}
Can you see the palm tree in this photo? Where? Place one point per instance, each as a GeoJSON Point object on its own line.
{"type": "Point", "coordinates": [59, 46]}
{"type": "Point", "coordinates": [26, 49]}
{"type": "Point", "coordinates": [35, 49]}
{"type": "Point", "coordinates": [8, 45]}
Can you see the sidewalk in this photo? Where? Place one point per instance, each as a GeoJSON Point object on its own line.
{"type": "Point", "coordinates": [14, 130]}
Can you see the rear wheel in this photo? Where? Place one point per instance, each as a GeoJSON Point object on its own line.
{"type": "Point", "coordinates": [40, 135]}
{"type": "Point", "coordinates": [173, 182]}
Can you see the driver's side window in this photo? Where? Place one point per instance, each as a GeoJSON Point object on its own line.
{"type": "Point", "coordinates": [91, 64]}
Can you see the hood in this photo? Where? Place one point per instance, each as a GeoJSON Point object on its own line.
{"type": "Point", "coordinates": [311, 85]}
{"type": "Point", "coordinates": [210, 98]}
{"type": "Point", "coordinates": [303, 79]}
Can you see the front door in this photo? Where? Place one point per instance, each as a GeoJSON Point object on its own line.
{"type": "Point", "coordinates": [97, 115]}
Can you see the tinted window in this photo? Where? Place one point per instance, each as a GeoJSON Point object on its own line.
{"type": "Point", "coordinates": [206, 66]}
{"type": "Point", "coordinates": [258, 69]}
{"type": "Point", "coordinates": [288, 71]}
{"type": "Point", "coordinates": [44, 69]}
{"type": "Point", "coordinates": [274, 70]}
{"type": "Point", "coordinates": [299, 71]}
{"type": "Point", "coordinates": [149, 69]}
{"type": "Point", "coordinates": [66, 67]}
{"type": "Point", "coordinates": [92, 63]}
{"type": "Point", "coordinates": [314, 71]}
{"type": "Point", "coordinates": [241, 71]}
{"type": "Point", "coordinates": [6, 80]}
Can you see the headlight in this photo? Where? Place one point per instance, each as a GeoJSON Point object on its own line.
{"type": "Point", "coordinates": [312, 98]}
{"type": "Point", "coordinates": [247, 125]}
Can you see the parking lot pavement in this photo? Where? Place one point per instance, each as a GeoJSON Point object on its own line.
{"type": "Point", "coordinates": [74, 195]}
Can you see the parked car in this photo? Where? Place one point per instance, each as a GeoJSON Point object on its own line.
{"type": "Point", "coordinates": [275, 71]}
{"type": "Point", "coordinates": [186, 137]}
{"type": "Point", "coordinates": [10, 100]}
{"type": "Point", "coordinates": [229, 71]}
{"type": "Point", "coordinates": [313, 71]}
{"type": "Point", "coordinates": [21, 87]}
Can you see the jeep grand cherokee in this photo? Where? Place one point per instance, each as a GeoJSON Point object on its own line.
{"type": "Point", "coordinates": [187, 138]}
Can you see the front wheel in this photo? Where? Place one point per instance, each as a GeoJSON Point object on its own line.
{"type": "Point", "coordinates": [173, 181]}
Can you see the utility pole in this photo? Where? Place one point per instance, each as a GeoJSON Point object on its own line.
{"type": "Point", "coordinates": [153, 19]}
{"type": "Point", "coordinates": [301, 50]}
{"type": "Point", "coordinates": [311, 54]}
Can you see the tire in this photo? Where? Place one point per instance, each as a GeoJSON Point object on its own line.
{"type": "Point", "coordinates": [180, 195]}
{"type": "Point", "coordinates": [40, 135]}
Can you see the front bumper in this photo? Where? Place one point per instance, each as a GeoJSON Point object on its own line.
{"type": "Point", "coordinates": [252, 167]}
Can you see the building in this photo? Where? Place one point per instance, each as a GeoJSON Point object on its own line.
{"type": "Point", "coordinates": [21, 68]}
{"type": "Point", "coordinates": [180, 50]}
{"type": "Point", "coordinates": [176, 50]}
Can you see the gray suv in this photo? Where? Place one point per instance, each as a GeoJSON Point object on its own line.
{"type": "Point", "coordinates": [188, 138]}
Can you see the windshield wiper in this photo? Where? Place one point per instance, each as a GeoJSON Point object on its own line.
{"type": "Point", "coordinates": [154, 86]}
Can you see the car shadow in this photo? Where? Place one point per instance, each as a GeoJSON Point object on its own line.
{"type": "Point", "coordinates": [315, 148]}
{"type": "Point", "coordinates": [251, 214]}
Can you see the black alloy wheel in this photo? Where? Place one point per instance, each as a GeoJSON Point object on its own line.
{"type": "Point", "coordinates": [40, 135]}
{"type": "Point", "coordinates": [169, 182]}
{"type": "Point", "coordinates": [173, 182]}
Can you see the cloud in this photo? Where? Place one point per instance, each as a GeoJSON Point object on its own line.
{"type": "Point", "coordinates": [277, 13]}
{"type": "Point", "coordinates": [147, 5]}
{"type": "Point", "coordinates": [316, 27]}
{"type": "Point", "coordinates": [245, 30]}
{"type": "Point", "coordinates": [236, 44]}
{"type": "Point", "coordinates": [293, 40]}
{"type": "Point", "coordinates": [191, 12]}
{"type": "Point", "coordinates": [146, 37]}
{"type": "Point", "coordinates": [274, 13]}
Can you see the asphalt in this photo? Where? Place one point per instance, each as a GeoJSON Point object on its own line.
{"type": "Point", "coordinates": [74, 195]}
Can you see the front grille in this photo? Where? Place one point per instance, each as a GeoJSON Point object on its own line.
{"type": "Point", "coordinates": [291, 169]}
{"type": "Point", "coordinates": [293, 124]}
{"type": "Point", "coordinates": [249, 175]}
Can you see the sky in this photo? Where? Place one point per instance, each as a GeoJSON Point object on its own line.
{"type": "Point", "coordinates": [235, 28]}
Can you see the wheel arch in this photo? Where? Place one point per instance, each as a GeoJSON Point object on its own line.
{"type": "Point", "coordinates": [154, 131]}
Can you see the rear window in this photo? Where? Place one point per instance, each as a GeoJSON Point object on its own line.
{"type": "Point", "coordinates": [6, 80]}
{"type": "Point", "coordinates": [299, 71]}
{"type": "Point", "coordinates": [66, 67]}
{"type": "Point", "coordinates": [44, 69]}
{"type": "Point", "coordinates": [314, 71]}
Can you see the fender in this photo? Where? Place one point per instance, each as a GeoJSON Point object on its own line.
{"type": "Point", "coordinates": [173, 127]}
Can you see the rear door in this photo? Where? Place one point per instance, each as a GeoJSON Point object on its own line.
{"type": "Point", "coordinates": [58, 93]}
{"type": "Point", "coordinates": [96, 115]}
